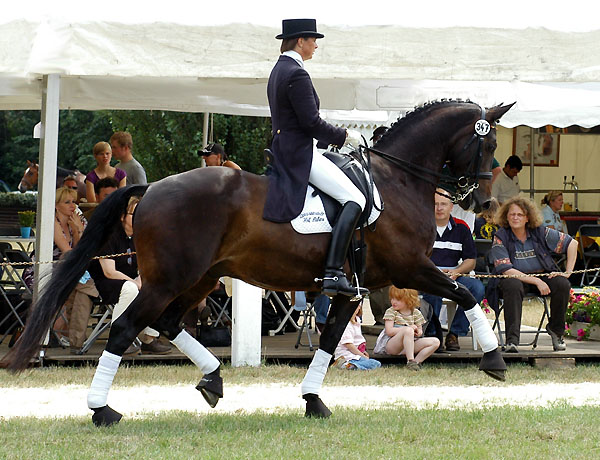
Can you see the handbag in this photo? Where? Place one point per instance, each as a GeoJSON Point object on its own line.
{"type": "Point", "coordinates": [210, 336]}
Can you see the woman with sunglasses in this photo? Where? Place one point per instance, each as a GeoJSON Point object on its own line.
{"type": "Point", "coordinates": [118, 281]}
{"type": "Point", "coordinates": [102, 154]}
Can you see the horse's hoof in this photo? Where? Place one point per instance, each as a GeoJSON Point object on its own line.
{"type": "Point", "coordinates": [211, 387]}
{"type": "Point", "coordinates": [493, 365]}
{"type": "Point", "coordinates": [497, 375]}
{"type": "Point", "coordinates": [315, 407]}
{"type": "Point", "coordinates": [105, 416]}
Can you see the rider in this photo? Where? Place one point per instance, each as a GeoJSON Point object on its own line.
{"type": "Point", "coordinates": [296, 122]}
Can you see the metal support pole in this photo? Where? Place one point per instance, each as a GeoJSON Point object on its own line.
{"type": "Point", "coordinates": [205, 133]}
{"type": "Point", "coordinates": [532, 165]}
{"type": "Point", "coordinates": [47, 177]}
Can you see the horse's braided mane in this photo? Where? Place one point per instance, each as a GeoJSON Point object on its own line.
{"type": "Point", "coordinates": [418, 113]}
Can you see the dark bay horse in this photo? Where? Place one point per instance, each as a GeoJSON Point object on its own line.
{"type": "Point", "coordinates": [30, 179]}
{"type": "Point", "coordinates": [192, 228]}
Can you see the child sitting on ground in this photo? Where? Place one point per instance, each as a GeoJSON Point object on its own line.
{"type": "Point", "coordinates": [351, 352]}
{"type": "Point", "coordinates": [403, 332]}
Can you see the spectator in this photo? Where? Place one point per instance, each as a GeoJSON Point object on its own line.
{"type": "Point", "coordinates": [68, 227]}
{"type": "Point", "coordinates": [403, 333]}
{"type": "Point", "coordinates": [506, 184]}
{"type": "Point", "coordinates": [214, 155]}
{"type": "Point", "coordinates": [553, 203]}
{"type": "Point", "coordinates": [496, 169]}
{"type": "Point", "coordinates": [118, 281]}
{"type": "Point", "coordinates": [102, 189]}
{"type": "Point", "coordinates": [485, 228]}
{"type": "Point", "coordinates": [453, 243]}
{"type": "Point", "coordinates": [122, 145]}
{"type": "Point", "coordinates": [351, 352]}
{"type": "Point", "coordinates": [522, 246]}
{"type": "Point", "coordinates": [377, 133]}
{"type": "Point", "coordinates": [102, 154]}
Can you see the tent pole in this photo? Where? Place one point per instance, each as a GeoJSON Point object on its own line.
{"type": "Point", "coordinates": [532, 165]}
{"type": "Point", "coordinates": [205, 134]}
{"type": "Point", "coordinates": [47, 177]}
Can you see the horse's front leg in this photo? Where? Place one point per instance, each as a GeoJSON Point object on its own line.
{"type": "Point", "coordinates": [431, 280]}
{"type": "Point", "coordinates": [339, 315]}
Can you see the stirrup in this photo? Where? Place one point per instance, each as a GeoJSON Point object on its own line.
{"type": "Point", "coordinates": [335, 282]}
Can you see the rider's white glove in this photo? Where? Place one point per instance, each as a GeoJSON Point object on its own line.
{"type": "Point", "coordinates": [353, 138]}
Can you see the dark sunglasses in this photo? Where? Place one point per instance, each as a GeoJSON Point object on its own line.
{"type": "Point", "coordinates": [72, 187]}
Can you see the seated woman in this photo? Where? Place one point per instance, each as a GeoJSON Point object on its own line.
{"type": "Point", "coordinates": [522, 246]}
{"type": "Point", "coordinates": [552, 204]}
{"type": "Point", "coordinates": [68, 227]}
{"type": "Point", "coordinates": [118, 281]}
{"type": "Point", "coordinates": [102, 154]}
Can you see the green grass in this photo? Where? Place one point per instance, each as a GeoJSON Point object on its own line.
{"type": "Point", "coordinates": [432, 374]}
{"type": "Point", "coordinates": [498, 433]}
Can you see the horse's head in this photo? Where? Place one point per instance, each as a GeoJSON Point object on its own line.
{"type": "Point", "coordinates": [470, 158]}
{"type": "Point", "coordinates": [30, 177]}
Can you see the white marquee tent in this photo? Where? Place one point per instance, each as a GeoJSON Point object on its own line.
{"type": "Point", "coordinates": [375, 61]}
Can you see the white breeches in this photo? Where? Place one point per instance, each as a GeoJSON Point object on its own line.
{"type": "Point", "coordinates": [327, 177]}
{"type": "Point", "coordinates": [129, 291]}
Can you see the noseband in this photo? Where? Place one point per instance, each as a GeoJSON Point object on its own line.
{"type": "Point", "coordinates": [464, 184]}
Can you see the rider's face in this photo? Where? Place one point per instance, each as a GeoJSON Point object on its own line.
{"type": "Point", "coordinates": [306, 47]}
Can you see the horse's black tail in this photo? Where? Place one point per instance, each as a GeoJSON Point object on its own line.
{"type": "Point", "coordinates": [67, 273]}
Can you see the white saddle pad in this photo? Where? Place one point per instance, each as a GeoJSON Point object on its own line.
{"type": "Point", "coordinates": [312, 219]}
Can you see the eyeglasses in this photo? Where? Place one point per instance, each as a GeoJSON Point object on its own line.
{"type": "Point", "coordinates": [516, 215]}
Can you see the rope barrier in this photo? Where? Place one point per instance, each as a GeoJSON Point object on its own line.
{"type": "Point", "coordinates": [110, 256]}
{"type": "Point", "coordinates": [26, 264]}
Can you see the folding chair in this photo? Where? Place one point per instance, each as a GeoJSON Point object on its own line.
{"type": "Point", "coordinates": [589, 255]}
{"type": "Point", "coordinates": [15, 272]}
{"type": "Point", "coordinates": [273, 297]}
{"type": "Point", "coordinates": [307, 314]}
{"type": "Point", "coordinates": [545, 316]}
{"type": "Point", "coordinates": [220, 306]}
{"type": "Point", "coordinates": [103, 316]}
{"type": "Point", "coordinates": [14, 292]}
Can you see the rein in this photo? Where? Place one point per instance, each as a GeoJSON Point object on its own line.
{"type": "Point", "coordinates": [463, 185]}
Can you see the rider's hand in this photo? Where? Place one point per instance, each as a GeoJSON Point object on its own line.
{"type": "Point", "coordinates": [353, 138]}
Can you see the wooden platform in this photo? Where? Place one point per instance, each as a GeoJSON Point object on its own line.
{"type": "Point", "coordinates": [280, 348]}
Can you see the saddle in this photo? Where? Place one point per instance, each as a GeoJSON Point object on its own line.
{"type": "Point", "coordinates": [351, 167]}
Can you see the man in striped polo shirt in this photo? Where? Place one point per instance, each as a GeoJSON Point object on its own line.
{"type": "Point", "coordinates": [454, 253]}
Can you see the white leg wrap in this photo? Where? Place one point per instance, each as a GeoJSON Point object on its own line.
{"type": "Point", "coordinates": [313, 380]}
{"type": "Point", "coordinates": [482, 329]}
{"type": "Point", "coordinates": [197, 353]}
{"type": "Point", "coordinates": [103, 378]}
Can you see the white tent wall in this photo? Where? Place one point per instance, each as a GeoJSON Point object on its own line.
{"type": "Point", "coordinates": [579, 156]}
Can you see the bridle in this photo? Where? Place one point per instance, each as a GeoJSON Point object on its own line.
{"type": "Point", "coordinates": [463, 185]}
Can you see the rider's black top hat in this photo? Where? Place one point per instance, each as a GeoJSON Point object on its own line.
{"type": "Point", "coordinates": [292, 28]}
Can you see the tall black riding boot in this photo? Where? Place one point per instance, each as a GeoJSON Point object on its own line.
{"type": "Point", "coordinates": [335, 281]}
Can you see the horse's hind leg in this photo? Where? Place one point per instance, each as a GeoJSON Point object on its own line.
{"type": "Point", "coordinates": [123, 332]}
{"type": "Point", "coordinates": [339, 315]}
{"type": "Point", "coordinates": [169, 323]}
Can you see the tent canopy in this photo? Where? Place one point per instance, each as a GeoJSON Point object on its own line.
{"type": "Point", "coordinates": [204, 65]}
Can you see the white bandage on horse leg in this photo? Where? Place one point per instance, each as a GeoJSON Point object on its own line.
{"type": "Point", "coordinates": [313, 380]}
{"type": "Point", "coordinates": [482, 329]}
{"type": "Point", "coordinates": [194, 350]}
{"type": "Point", "coordinates": [103, 378]}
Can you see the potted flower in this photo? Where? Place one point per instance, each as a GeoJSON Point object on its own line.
{"type": "Point", "coordinates": [583, 315]}
{"type": "Point", "coordinates": [26, 219]}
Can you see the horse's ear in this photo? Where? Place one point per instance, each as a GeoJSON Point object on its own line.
{"type": "Point", "coordinates": [497, 112]}
{"type": "Point", "coordinates": [29, 163]}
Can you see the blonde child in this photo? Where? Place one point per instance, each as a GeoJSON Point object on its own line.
{"type": "Point", "coordinates": [403, 332]}
{"type": "Point", "coordinates": [351, 352]}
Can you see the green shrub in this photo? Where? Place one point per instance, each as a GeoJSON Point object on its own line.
{"type": "Point", "coordinates": [18, 200]}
